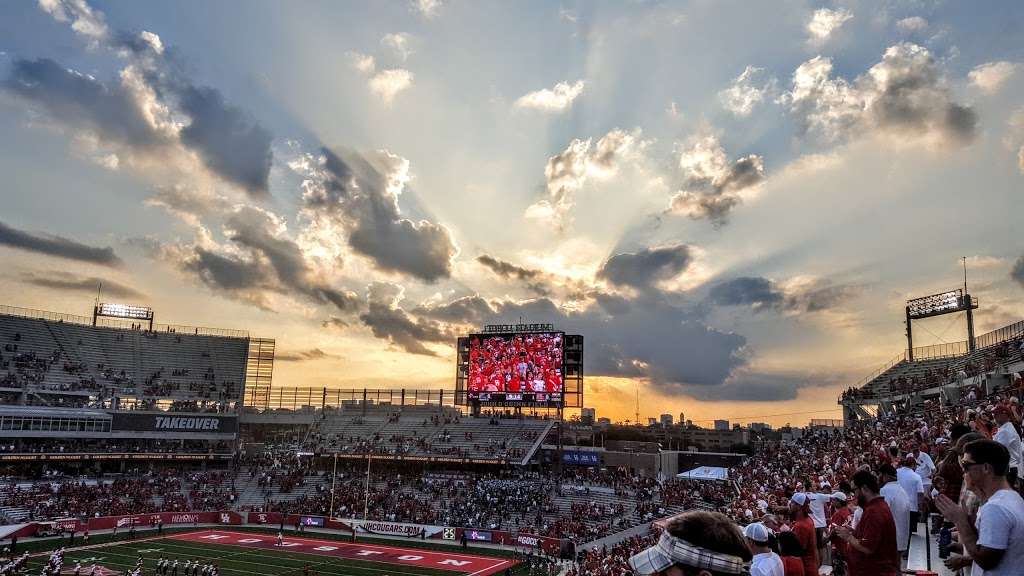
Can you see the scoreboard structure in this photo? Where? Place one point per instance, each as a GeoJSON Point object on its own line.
{"type": "Point", "coordinates": [519, 365]}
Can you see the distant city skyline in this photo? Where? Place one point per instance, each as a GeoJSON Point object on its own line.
{"type": "Point", "coordinates": [731, 201]}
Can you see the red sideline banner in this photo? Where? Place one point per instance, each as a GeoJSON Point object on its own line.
{"type": "Point", "coordinates": [168, 518]}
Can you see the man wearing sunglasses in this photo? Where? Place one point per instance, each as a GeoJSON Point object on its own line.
{"type": "Point", "coordinates": [995, 542]}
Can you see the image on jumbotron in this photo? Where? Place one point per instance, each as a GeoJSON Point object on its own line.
{"type": "Point", "coordinates": [505, 367]}
{"type": "Point", "coordinates": [535, 288]}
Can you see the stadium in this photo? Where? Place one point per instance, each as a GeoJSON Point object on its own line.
{"type": "Point", "coordinates": [117, 429]}
{"type": "Point", "coordinates": [437, 287]}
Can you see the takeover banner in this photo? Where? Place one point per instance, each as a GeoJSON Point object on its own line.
{"type": "Point", "coordinates": [172, 422]}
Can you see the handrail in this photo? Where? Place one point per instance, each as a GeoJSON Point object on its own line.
{"type": "Point", "coordinates": [896, 360]}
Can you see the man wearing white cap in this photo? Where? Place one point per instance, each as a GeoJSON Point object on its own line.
{"type": "Point", "coordinates": [765, 562]}
{"type": "Point", "coordinates": [803, 529]}
{"type": "Point", "coordinates": [695, 544]}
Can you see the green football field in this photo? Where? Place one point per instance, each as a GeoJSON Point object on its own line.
{"type": "Point", "coordinates": [235, 560]}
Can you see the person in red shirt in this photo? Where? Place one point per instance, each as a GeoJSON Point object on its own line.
{"type": "Point", "coordinates": [791, 553]}
{"type": "Point", "coordinates": [803, 529]}
{"type": "Point", "coordinates": [841, 517]}
{"type": "Point", "coordinates": [872, 546]}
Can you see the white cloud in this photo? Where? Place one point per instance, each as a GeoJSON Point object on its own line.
{"type": "Point", "coordinates": [567, 172]}
{"type": "Point", "coordinates": [824, 22]}
{"type": "Point", "coordinates": [557, 99]}
{"type": "Point", "coordinates": [109, 161]}
{"type": "Point", "coordinates": [84, 21]}
{"type": "Point", "coordinates": [912, 24]}
{"type": "Point", "coordinates": [388, 83]}
{"type": "Point", "coordinates": [748, 90]}
{"type": "Point", "coordinates": [399, 43]}
{"type": "Point", "coordinates": [428, 8]}
{"type": "Point", "coordinates": [363, 62]}
{"type": "Point", "coordinates": [991, 76]}
{"type": "Point", "coordinates": [712, 185]}
{"type": "Point", "coordinates": [905, 94]}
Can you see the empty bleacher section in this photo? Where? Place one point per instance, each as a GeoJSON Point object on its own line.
{"type": "Point", "coordinates": [952, 367]}
{"type": "Point", "coordinates": [426, 432]}
{"type": "Point", "coordinates": [63, 361]}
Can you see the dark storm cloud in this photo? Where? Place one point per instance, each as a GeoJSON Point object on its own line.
{"type": "Point", "coordinates": [746, 291]}
{"type": "Point", "coordinates": [465, 310]}
{"type": "Point", "coordinates": [1017, 273]}
{"type": "Point", "coordinates": [761, 294]}
{"type": "Point", "coordinates": [749, 386]}
{"type": "Point", "coordinates": [507, 269]}
{"type": "Point", "coordinates": [65, 281]}
{"type": "Point", "coordinates": [82, 102]}
{"type": "Point", "coordinates": [227, 139]}
{"type": "Point", "coordinates": [303, 355]}
{"type": "Point", "coordinates": [358, 192]}
{"type": "Point", "coordinates": [268, 261]}
{"type": "Point", "coordinates": [389, 322]}
{"type": "Point", "coordinates": [646, 267]}
{"type": "Point", "coordinates": [534, 280]}
{"type": "Point", "coordinates": [647, 337]}
{"type": "Point", "coordinates": [57, 246]}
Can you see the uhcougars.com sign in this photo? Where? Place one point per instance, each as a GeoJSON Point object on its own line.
{"type": "Point", "coordinates": [174, 423]}
{"type": "Point", "coordinates": [393, 528]}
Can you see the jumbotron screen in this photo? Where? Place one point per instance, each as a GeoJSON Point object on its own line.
{"type": "Point", "coordinates": [508, 369]}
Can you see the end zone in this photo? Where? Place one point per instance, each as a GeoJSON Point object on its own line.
{"type": "Point", "coordinates": [437, 559]}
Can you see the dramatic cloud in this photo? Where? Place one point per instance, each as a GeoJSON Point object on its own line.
{"type": "Point", "coordinates": [648, 338]}
{"type": "Point", "coordinates": [712, 186]}
{"type": "Point", "coordinates": [912, 24]}
{"type": "Point", "coordinates": [229, 142]}
{"type": "Point", "coordinates": [303, 355]}
{"type": "Point", "coordinates": [186, 202]}
{"type": "Point", "coordinates": [152, 104]}
{"type": "Point", "coordinates": [824, 22]}
{"type": "Point", "coordinates": [990, 77]}
{"type": "Point", "coordinates": [749, 89]}
{"type": "Point", "coordinates": [58, 246]}
{"type": "Point", "coordinates": [583, 160]}
{"type": "Point", "coordinates": [557, 99]}
{"type": "Point", "coordinates": [536, 281]}
{"type": "Point", "coordinates": [647, 267]}
{"type": "Point", "coordinates": [389, 322]}
{"type": "Point", "coordinates": [1017, 273]}
{"type": "Point", "coordinates": [800, 295]}
{"type": "Point", "coordinates": [80, 101]}
{"type": "Point", "coordinates": [471, 310]}
{"type": "Point", "coordinates": [360, 194]}
{"type": "Point", "coordinates": [260, 259]}
{"type": "Point", "coordinates": [68, 282]}
{"type": "Point", "coordinates": [904, 95]}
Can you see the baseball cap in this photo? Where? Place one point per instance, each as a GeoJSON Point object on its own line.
{"type": "Point", "coordinates": [757, 532]}
{"type": "Point", "coordinates": [839, 496]}
{"type": "Point", "coordinates": [800, 499]}
{"type": "Point", "coordinates": [826, 484]}
{"type": "Point", "coordinates": [670, 550]}
{"type": "Point", "coordinates": [1001, 409]}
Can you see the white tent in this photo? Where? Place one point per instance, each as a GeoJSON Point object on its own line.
{"type": "Point", "coordinates": [705, 473]}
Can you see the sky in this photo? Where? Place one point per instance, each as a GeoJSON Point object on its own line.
{"type": "Point", "coordinates": [731, 201]}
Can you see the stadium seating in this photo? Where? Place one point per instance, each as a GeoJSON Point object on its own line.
{"type": "Point", "coordinates": [48, 358]}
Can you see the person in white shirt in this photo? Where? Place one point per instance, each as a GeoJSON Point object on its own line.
{"type": "Point", "coordinates": [925, 468]}
{"type": "Point", "coordinates": [1007, 436]}
{"type": "Point", "coordinates": [912, 484]}
{"type": "Point", "coordinates": [765, 562]}
{"type": "Point", "coordinates": [817, 502]}
{"type": "Point", "coordinates": [995, 542]}
{"type": "Point", "coordinates": [898, 503]}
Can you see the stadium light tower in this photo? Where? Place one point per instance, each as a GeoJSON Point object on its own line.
{"type": "Point", "coordinates": [127, 311]}
{"type": "Point", "coordinates": [937, 305]}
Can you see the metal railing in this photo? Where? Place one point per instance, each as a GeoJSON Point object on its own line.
{"type": "Point", "coordinates": [320, 398]}
{"type": "Point", "coordinates": [939, 351]}
{"type": "Point", "coordinates": [1000, 335]}
{"type": "Point", "coordinates": [120, 324]}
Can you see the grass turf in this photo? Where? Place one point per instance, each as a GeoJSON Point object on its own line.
{"type": "Point", "coordinates": [235, 561]}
